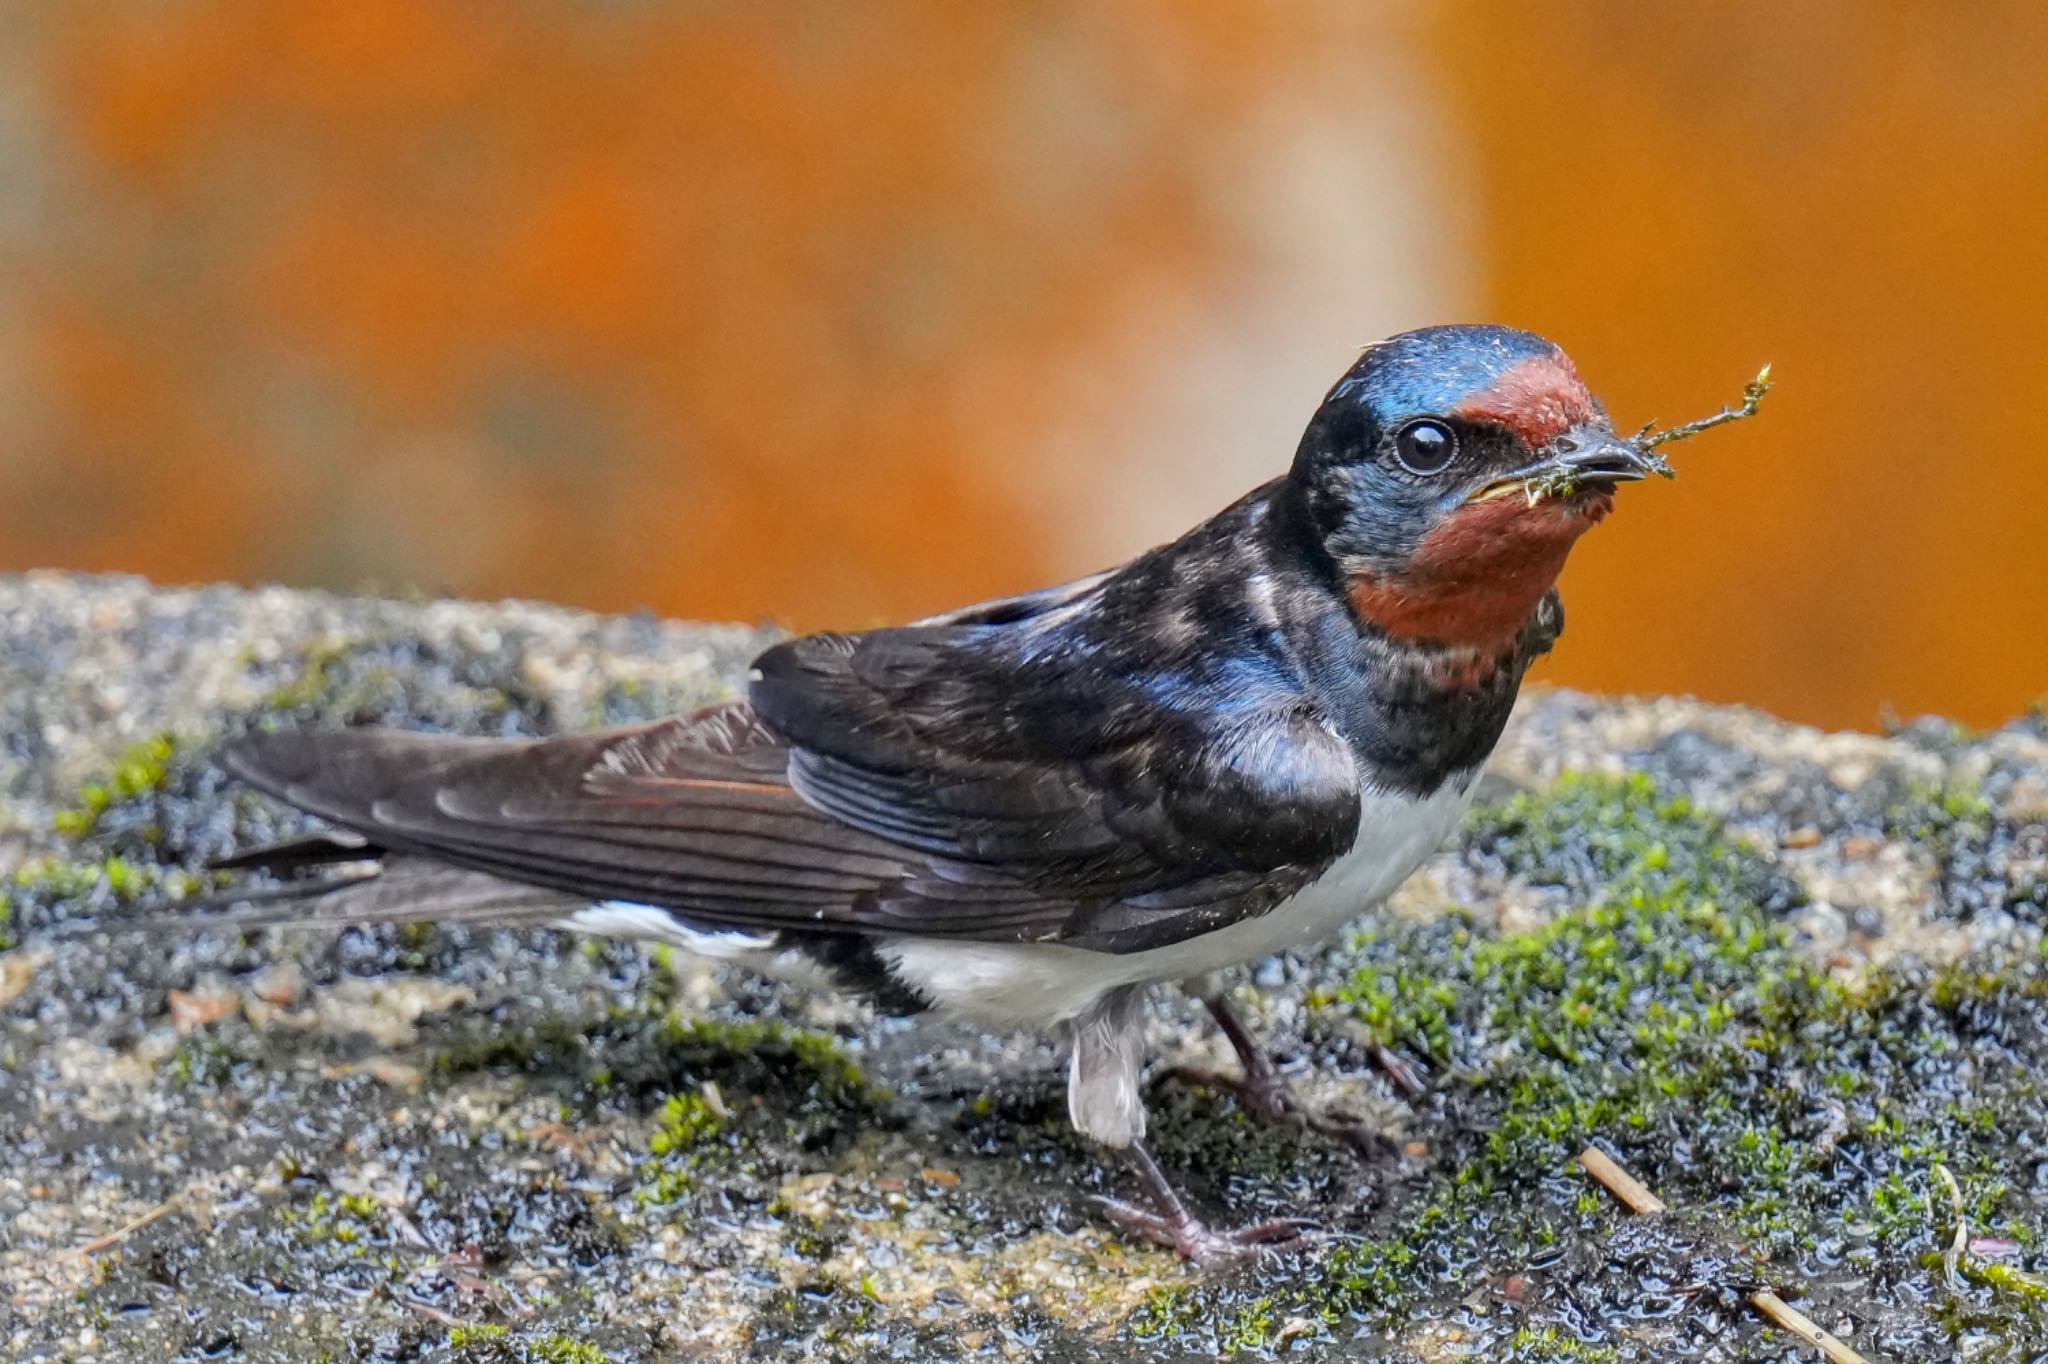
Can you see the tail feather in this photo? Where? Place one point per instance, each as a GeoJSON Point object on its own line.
{"type": "Point", "coordinates": [404, 889]}
{"type": "Point", "coordinates": [694, 814]}
{"type": "Point", "coordinates": [396, 890]}
{"type": "Point", "coordinates": [340, 774]}
{"type": "Point", "coordinates": [323, 849]}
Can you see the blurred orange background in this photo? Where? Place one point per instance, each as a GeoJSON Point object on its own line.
{"type": "Point", "coordinates": [838, 314]}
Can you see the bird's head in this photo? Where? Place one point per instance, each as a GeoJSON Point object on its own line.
{"type": "Point", "coordinates": [1448, 475]}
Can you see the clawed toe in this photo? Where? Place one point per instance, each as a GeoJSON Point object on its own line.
{"type": "Point", "coordinates": [1263, 1091]}
{"type": "Point", "coordinates": [1269, 1099]}
{"type": "Point", "coordinates": [1265, 1094]}
{"type": "Point", "coordinates": [1195, 1240]}
{"type": "Point", "coordinates": [1168, 1221]}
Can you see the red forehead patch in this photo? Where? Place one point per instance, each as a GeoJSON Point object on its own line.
{"type": "Point", "coordinates": [1539, 399]}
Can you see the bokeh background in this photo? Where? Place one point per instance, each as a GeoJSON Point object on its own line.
{"type": "Point", "coordinates": [843, 313]}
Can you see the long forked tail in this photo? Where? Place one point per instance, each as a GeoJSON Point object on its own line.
{"type": "Point", "coordinates": [339, 876]}
{"type": "Point", "coordinates": [693, 816]}
{"type": "Point", "coordinates": [335, 881]}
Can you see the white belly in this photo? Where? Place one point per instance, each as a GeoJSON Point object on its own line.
{"type": "Point", "coordinates": [1035, 984]}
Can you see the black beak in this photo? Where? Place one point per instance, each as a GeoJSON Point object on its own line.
{"type": "Point", "coordinates": [1582, 457]}
{"type": "Point", "coordinates": [1595, 456]}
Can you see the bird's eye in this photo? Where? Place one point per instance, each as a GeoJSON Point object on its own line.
{"type": "Point", "coordinates": [1424, 446]}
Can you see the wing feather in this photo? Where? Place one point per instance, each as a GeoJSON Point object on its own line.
{"type": "Point", "coordinates": [963, 777]}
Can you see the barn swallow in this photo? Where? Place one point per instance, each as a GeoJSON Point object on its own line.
{"type": "Point", "coordinates": [1026, 812]}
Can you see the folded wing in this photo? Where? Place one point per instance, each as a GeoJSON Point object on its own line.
{"type": "Point", "coordinates": [932, 780]}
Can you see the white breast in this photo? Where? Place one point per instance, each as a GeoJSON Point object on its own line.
{"type": "Point", "coordinates": [1035, 984]}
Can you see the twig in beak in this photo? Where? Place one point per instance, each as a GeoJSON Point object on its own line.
{"type": "Point", "coordinates": [1649, 438]}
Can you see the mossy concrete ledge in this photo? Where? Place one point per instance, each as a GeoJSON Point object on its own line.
{"type": "Point", "coordinates": [1794, 981]}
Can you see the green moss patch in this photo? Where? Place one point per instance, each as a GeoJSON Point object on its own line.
{"type": "Point", "coordinates": [1985, 863]}
{"type": "Point", "coordinates": [139, 769]}
{"type": "Point", "coordinates": [40, 887]}
{"type": "Point", "coordinates": [810, 1066]}
{"type": "Point", "coordinates": [731, 1087]}
{"type": "Point", "coordinates": [1664, 1013]}
{"type": "Point", "coordinates": [490, 1343]}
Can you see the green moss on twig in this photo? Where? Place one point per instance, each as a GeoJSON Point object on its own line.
{"type": "Point", "coordinates": [1649, 438]}
{"type": "Point", "coordinates": [1561, 480]}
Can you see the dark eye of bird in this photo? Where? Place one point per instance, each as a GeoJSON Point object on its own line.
{"type": "Point", "coordinates": [1425, 446]}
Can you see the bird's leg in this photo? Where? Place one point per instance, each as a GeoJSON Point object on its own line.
{"type": "Point", "coordinates": [1105, 1102]}
{"type": "Point", "coordinates": [1264, 1091]}
{"type": "Point", "coordinates": [1169, 1222]}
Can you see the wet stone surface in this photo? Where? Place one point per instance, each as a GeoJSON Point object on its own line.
{"type": "Point", "coordinates": [1785, 977]}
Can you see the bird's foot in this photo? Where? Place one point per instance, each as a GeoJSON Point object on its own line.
{"type": "Point", "coordinates": [1169, 1222]}
{"type": "Point", "coordinates": [1265, 1094]}
{"type": "Point", "coordinates": [1195, 1240]}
